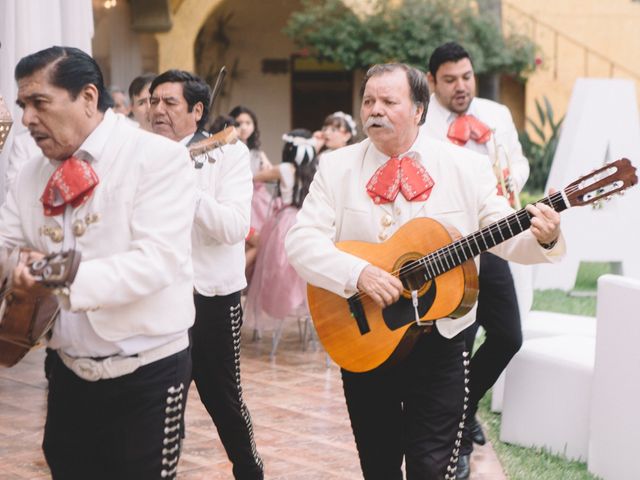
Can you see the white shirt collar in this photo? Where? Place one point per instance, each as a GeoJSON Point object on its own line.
{"type": "Point", "coordinates": [93, 146]}
{"type": "Point", "coordinates": [447, 114]}
{"type": "Point", "coordinates": [381, 158]}
{"type": "Point", "coordinates": [187, 139]}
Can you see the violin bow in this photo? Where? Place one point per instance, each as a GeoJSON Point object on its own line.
{"type": "Point", "coordinates": [217, 87]}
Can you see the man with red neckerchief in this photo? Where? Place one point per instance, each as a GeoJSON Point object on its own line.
{"type": "Point", "coordinates": [179, 110]}
{"type": "Point", "coordinates": [455, 115]}
{"type": "Point", "coordinates": [412, 410]}
{"type": "Point", "coordinates": [118, 363]}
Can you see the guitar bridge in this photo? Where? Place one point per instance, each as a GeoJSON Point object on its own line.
{"type": "Point", "coordinates": [357, 312]}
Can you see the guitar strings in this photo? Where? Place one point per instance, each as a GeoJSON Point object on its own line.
{"type": "Point", "coordinates": [446, 251]}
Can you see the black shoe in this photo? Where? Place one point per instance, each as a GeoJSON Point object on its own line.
{"type": "Point", "coordinates": [475, 432]}
{"type": "Point", "coordinates": [463, 471]}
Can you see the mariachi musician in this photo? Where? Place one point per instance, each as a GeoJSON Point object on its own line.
{"type": "Point", "coordinates": [486, 127]}
{"type": "Point", "coordinates": [367, 192]}
{"type": "Point", "coordinates": [118, 360]}
{"type": "Point", "coordinates": [180, 102]}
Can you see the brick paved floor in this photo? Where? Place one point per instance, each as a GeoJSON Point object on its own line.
{"type": "Point", "coordinates": [300, 420]}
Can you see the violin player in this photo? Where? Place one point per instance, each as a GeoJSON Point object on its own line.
{"type": "Point", "coordinates": [180, 103]}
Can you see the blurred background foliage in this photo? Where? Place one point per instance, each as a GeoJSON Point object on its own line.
{"type": "Point", "coordinates": [381, 31]}
{"type": "Point", "coordinates": [540, 147]}
{"type": "Point", "coordinates": [407, 32]}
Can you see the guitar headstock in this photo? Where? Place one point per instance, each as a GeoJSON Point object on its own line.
{"type": "Point", "coordinates": [614, 177]}
{"type": "Point", "coordinates": [56, 270]}
{"type": "Point", "coordinates": [224, 137]}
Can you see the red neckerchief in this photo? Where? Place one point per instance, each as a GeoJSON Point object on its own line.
{"type": "Point", "coordinates": [467, 127]}
{"type": "Point", "coordinates": [404, 175]}
{"type": "Point", "coordinates": [72, 183]}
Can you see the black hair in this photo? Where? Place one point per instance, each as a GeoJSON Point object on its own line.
{"type": "Point", "coordinates": [194, 90]}
{"type": "Point", "coordinates": [70, 69]}
{"type": "Point", "coordinates": [447, 52]}
{"type": "Point", "coordinates": [305, 170]}
{"type": "Point", "coordinates": [253, 142]}
{"type": "Point", "coordinates": [221, 122]}
{"type": "Point", "coordinates": [339, 121]}
{"type": "Point", "coordinates": [138, 83]}
{"type": "Point", "coordinates": [417, 83]}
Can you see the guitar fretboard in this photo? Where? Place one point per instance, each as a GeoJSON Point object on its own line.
{"type": "Point", "coordinates": [456, 253]}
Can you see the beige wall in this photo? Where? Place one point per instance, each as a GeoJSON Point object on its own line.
{"type": "Point", "coordinates": [588, 34]}
{"type": "Point", "coordinates": [175, 48]}
{"type": "Point", "coordinates": [254, 34]}
{"type": "Point", "coordinates": [121, 53]}
{"type": "Point", "coordinates": [609, 29]}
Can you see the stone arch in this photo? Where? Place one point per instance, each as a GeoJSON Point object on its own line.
{"type": "Point", "coordinates": [175, 48]}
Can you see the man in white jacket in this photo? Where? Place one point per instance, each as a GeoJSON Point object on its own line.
{"type": "Point", "coordinates": [413, 409]}
{"type": "Point", "coordinates": [118, 362]}
{"type": "Point", "coordinates": [456, 116]}
{"type": "Point", "coordinates": [179, 108]}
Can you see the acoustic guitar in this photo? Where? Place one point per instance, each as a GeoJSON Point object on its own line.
{"type": "Point", "coordinates": [435, 264]}
{"type": "Point", "coordinates": [24, 321]}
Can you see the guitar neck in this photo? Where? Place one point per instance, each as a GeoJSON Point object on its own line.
{"type": "Point", "coordinates": [463, 249]}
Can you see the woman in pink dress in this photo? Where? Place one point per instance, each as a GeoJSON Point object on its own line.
{"type": "Point", "coordinates": [276, 291]}
{"type": "Point", "coordinates": [249, 134]}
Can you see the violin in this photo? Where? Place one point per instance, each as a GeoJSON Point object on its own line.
{"type": "Point", "coordinates": [225, 137]}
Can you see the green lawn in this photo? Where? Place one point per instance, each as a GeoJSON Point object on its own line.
{"type": "Point", "coordinates": [532, 464]}
{"type": "Point", "coordinates": [521, 463]}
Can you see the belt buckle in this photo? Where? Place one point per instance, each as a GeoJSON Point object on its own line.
{"type": "Point", "coordinates": [87, 369]}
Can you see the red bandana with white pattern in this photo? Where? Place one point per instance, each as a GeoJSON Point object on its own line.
{"type": "Point", "coordinates": [467, 127]}
{"type": "Point", "coordinates": [72, 183]}
{"type": "Point", "coordinates": [406, 175]}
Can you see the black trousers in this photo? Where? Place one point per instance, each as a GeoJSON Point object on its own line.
{"type": "Point", "coordinates": [412, 410]}
{"type": "Point", "coordinates": [215, 350]}
{"type": "Point", "coordinates": [499, 315]}
{"type": "Point", "coordinates": [128, 427]}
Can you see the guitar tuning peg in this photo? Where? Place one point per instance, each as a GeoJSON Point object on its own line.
{"type": "Point", "coordinates": [608, 198]}
{"type": "Point", "coordinates": [621, 192]}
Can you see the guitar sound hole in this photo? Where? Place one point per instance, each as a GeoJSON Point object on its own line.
{"type": "Point", "coordinates": [411, 276]}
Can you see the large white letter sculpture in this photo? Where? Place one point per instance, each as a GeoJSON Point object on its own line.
{"type": "Point", "coordinates": [601, 125]}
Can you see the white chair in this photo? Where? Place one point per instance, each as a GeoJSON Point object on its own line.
{"type": "Point", "coordinates": [616, 381]}
{"type": "Point", "coordinates": [539, 324]}
{"type": "Point", "coordinates": [550, 324]}
{"type": "Point", "coordinates": [547, 395]}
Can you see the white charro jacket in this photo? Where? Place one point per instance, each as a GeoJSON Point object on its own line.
{"type": "Point", "coordinates": [338, 208]}
{"type": "Point", "coordinates": [503, 144]}
{"type": "Point", "coordinates": [136, 276]}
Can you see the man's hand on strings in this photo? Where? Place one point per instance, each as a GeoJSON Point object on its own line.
{"type": "Point", "coordinates": [24, 285]}
{"type": "Point", "coordinates": [381, 286]}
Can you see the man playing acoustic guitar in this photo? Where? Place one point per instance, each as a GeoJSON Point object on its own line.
{"type": "Point", "coordinates": [414, 408]}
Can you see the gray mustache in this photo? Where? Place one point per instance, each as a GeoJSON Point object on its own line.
{"type": "Point", "coordinates": [379, 121]}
